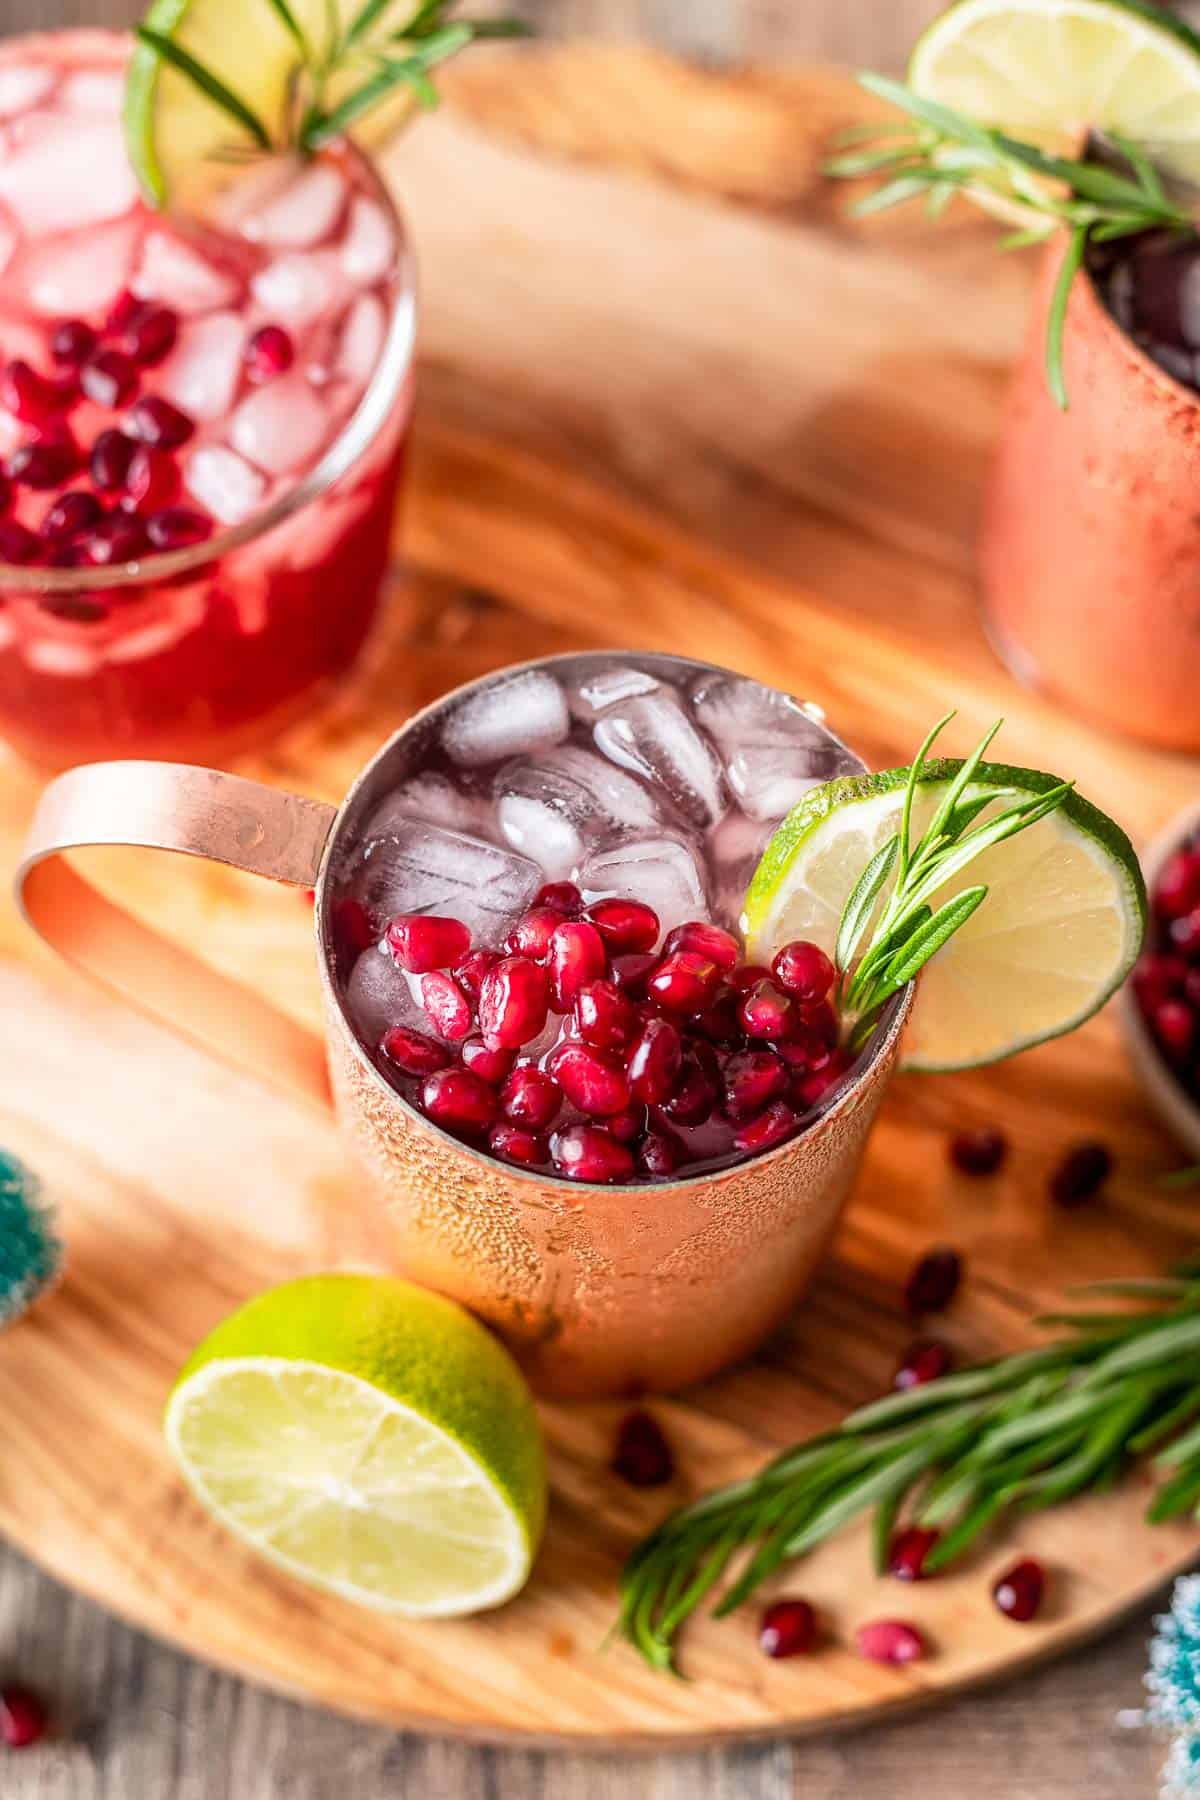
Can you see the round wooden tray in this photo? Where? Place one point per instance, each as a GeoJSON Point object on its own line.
{"type": "Point", "coordinates": [670, 399]}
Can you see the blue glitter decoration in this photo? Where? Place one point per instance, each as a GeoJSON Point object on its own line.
{"type": "Point", "coordinates": [30, 1250]}
{"type": "Point", "coordinates": [1173, 1684]}
{"type": "Point", "coordinates": [1181, 1775]}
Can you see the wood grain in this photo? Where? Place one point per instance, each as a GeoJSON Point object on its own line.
{"type": "Point", "coordinates": [679, 411]}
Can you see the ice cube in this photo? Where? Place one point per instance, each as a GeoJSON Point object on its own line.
{"type": "Point", "coordinates": [735, 849]}
{"type": "Point", "coordinates": [203, 371]}
{"type": "Point", "coordinates": [369, 246]}
{"type": "Point", "coordinates": [422, 868]}
{"type": "Point", "coordinates": [362, 340]}
{"type": "Point", "coordinates": [378, 996]}
{"type": "Point", "coordinates": [605, 686]}
{"type": "Point", "coordinates": [663, 872]}
{"type": "Point", "coordinates": [178, 275]}
{"type": "Point", "coordinates": [224, 483]}
{"type": "Point", "coordinates": [282, 426]}
{"type": "Point", "coordinates": [99, 91]}
{"type": "Point", "coordinates": [302, 213]}
{"type": "Point", "coordinates": [430, 797]}
{"type": "Point", "coordinates": [82, 273]}
{"type": "Point", "coordinates": [60, 173]}
{"type": "Point", "coordinates": [548, 806]}
{"type": "Point", "coordinates": [296, 289]}
{"type": "Point", "coordinates": [22, 85]}
{"type": "Point", "coordinates": [517, 713]}
{"type": "Point", "coordinates": [774, 751]}
{"type": "Point", "coordinates": [652, 735]}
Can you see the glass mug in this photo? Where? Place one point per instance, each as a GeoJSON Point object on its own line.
{"type": "Point", "coordinates": [597, 1290]}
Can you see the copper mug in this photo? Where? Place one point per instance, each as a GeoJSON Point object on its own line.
{"type": "Point", "coordinates": [597, 1290]}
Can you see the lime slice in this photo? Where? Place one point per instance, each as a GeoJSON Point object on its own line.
{"type": "Point", "coordinates": [369, 1437]}
{"type": "Point", "coordinates": [1053, 69]}
{"type": "Point", "coordinates": [1057, 934]}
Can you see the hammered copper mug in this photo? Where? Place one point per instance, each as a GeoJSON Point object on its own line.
{"type": "Point", "coordinates": [597, 1290]}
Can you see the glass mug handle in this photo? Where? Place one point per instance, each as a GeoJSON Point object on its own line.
{"type": "Point", "coordinates": [195, 812]}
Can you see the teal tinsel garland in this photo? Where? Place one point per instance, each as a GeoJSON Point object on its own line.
{"type": "Point", "coordinates": [30, 1250]}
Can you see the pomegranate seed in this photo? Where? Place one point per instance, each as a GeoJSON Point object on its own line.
{"type": "Point", "coordinates": [72, 341]}
{"type": "Point", "coordinates": [1191, 988]}
{"type": "Point", "coordinates": [351, 927]}
{"type": "Point", "coordinates": [1080, 1173]}
{"type": "Point", "coordinates": [589, 1153]}
{"type": "Point", "coordinates": [804, 970]}
{"type": "Point", "coordinates": [531, 934]}
{"type": "Point", "coordinates": [788, 1628]}
{"type": "Point", "coordinates": [748, 976]}
{"type": "Point", "coordinates": [469, 973]}
{"type": "Point", "coordinates": [124, 310]}
{"type": "Point", "coordinates": [17, 544]}
{"type": "Point", "coordinates": [625, 924]}
{"type": "Point", "coordinates": [26, 394]}
{"type": "Point", "coordinates": [810, 1090]}
{"type": "Point", "coordinates": [642, 1455]}
{"type": "Point", "coordinates": [719, 946]}
{"type": "Point", "coordinates": [654, 1061]}
{"type": "Point", "coordinates": [156, 422]}
{"type": "Point", "coordinates": [684, 982]}
{"type": "Point", "coordinates": [513, 1002]}
{"type": "Point", "coordinates": [1174, 1026]}
{"type": "Point", "coordinates": [111, 455]}
{"type": "Point", "coordinates": [446, 1005]}
{"type": "Point", "coordinates": [771, 1127]}
{"type": "Point", "coordinates": [414, 1051]}
{"type": "Point", "coordinates": [766, 1013]}
{"type": "Point", "coordinates": [909, 1548]}
{"type": "Point", "coordinates": [1018, 1592]}
{"type": "Point", "coordinates": [150, 335]}
{"type": "Point", "coordinates": [109, 378]}
{"type": "Point", "coordinates": [577, 957]}
{"type": "Point", "coordinates": [660, 1152]}
{"type": "Point", "coordinates": [1158, 978]}
{"type": "Point", "coordinates": [695, 1092]}
{"type": "Point", "coordinates": [177, 527]}
{"type": "Point", "coordinates": [531, 1097]}
{"type": "Point", "coordinates": [152, 479]}
{"type": "Point", "coordinates": [421, 942]}
{"type": "Point", "coordinates": [71, 514]}
{"type": "Point", "coordinates": [1178, 888]}
{"type": "Point", "coordinates": [603, 1017]}
{"type": "Point", "coordinates": [821, 1021]}
{"type": "Point", "coordinates": [115, 539]}
{"type": "Point", "coordinates": [22, 1717]}
{"type": "Point", "coordinates": [270, 352]}
{"type": "Point", "coordinates": [629, 1124]}
{"type": "Point", "coordinates": [1185, 935]}
{"type": "Point", "coordinates": [630, 973]}
{"type": "Point", "coordinates": [720, 1021]}
{"type": "Point", "coordinates": [924, 1360]}
{"type": "Point", "coordinates": [490, 1064]}
{"type": "Point", "coordinates": [44, 464]}
{"type": "Point", "coordinates": [803, 1053]}
{"type": "Point", "coordinates": [890, 1641]}
{"type": "Point", "coordinates": [753, 1078]}
{"type": "Point", "coordinates": [563, 896]}
{"type": "Point", "coordinates": [458, 1100]}
{"type": "Point", "coordinates": [6, 493]}
{"type": "Point", "coordinates": [978, 1152]}
{"type": "Point", "coordinates": [514, 1145]}
{"type": "Point", "coordinates": [596, 1087]}
{"type": "Point", "coordinates": [933, 1282]}
{"type": "Point", "coordinates": [80, 611]}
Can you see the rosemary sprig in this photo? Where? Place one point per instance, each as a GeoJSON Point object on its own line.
{"type": "Point", "coordinates": [943, 152]}
{"type": "Point", "coordinates": [1023, 1433]}
{"type": "Point", "coordinates": [908, 929]}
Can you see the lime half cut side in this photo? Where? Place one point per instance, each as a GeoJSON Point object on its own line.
{"type": "Point", "coordinates": [370, 1438]}
{"type": "Point", "coordinates": [1059, 931]}
{"type": "Point", "coordinates": [1055, 69]}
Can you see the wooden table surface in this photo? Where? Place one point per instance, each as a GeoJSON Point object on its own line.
{"type": "Point", "coordinates": [765, 456]}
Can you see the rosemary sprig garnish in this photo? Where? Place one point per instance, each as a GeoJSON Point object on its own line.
{"type": "Point", "coordinates": [908, 929]}
{"type": "Point", "coordinates": [1023, 1433]}
{"type": "Point", "coordinates": [943, 152]}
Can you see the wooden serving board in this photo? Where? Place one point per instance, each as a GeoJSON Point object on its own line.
{"type": "Point", "coordinates": [671, 398]}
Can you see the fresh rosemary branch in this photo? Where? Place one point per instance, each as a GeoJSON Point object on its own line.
{"type": "Point", "coordinates": [907, 928]}
{"type": "Point", "coordinates": [943, 152]}
{"type": "Point", "coordinates": [1023, 1433]}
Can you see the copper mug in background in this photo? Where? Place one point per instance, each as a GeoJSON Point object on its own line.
{"type": "Point", "coordinates": [598, 1290]}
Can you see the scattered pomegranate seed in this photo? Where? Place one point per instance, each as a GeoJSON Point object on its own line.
{"type": "Point", "coordinates": [1018, 1592]}
{"type": "Point", "coordinates": [22, 1717]}
{"type": "Point", "coordinates": [908, 1551]}
{"type": "Point", "coordinates": [513, 1002]}
{"type": "Point", "coordinates": [925, 1360]}
{"type": "Point", "coordinates": [718, 946]}
{"type": "Point", "coordinates": [111, 455]}
{"type": "Point", "coordinates": [414, 1051]}
{"type": "Point", "coordinates": [26, 394]}
{"type": "Point", "coordinates": [753, 1078]}
{"type": "Point", "coordinates": [150, 335]}
{"type": "Point", "coordinates": [490, 1064]}
{"type": "Point", "coordinates": [684, 982]}
{"type": "Point", "coordinates": [109, 378]}
{"type": "Point", "coordinates": [933, 1281]}
{"type": "Point", "coordinates": [1174, 1026]}
{"type": "Point", "coordinates": [576, 958]}
{"type": "Point", "coordinates": [747, 976]}
{"type": "Point", "coordinates": [890, 1641]}
{"type": "Point", "coordinates": [177, 527]}
{"type": "Point", "coordinates": [767, 1013]}
{"type": "Point", "coordinates": [660, 1152]}
{"type": "Point", "coordinates": [421, 942]}
{"type": "Point", "coordinates": [625, 925]}
{"type": "Point", "coordinates": [642, 1455]}
{"type": "Point", "coordinates": [695, 1090]}
{"type": "Point", "coordinates": [1177, 890]}
{"type": "Point", "coordinates": [71, 514]}
{"type": "Point", "coordinates": [1080, 1174]}
{"type": "Point", "coordinates": [44, 464]}
{"type": "Point", "coordinates": [72, 341]}
{"type": "Point", "coordinates": [531, 1097]}
{"type": "Point", "coordinates": [595, 1086]}
{"type": "Point", "coordinates": [157, 423]}
{"type": "Point", "coordinates": [771, 1127]}
{"type": "Point", "coordinates": [563, 896]}
{"type": "Point", "coordinates": [269, 353]}
{"type": "Point", "coordinates": [458, 1100]}
{"type": "Point", "coordinates": [446, 1005]}
{"type": "Point", "coordinates": [978, 1152]}
{"type": "Point", "coordinates": [117, 538]}
{"type": "Point", "coordinates": [603, 1017]}
{"type": "Point", "coordinates": [531, 934]}
{"type": "Point", "coordinates": [788, 1628]}
{"type": "Point", "coordinates": [469, 973]}
{"type": "Point", "coordinates": [589, 1153]}
{"type": "Point", "coordinates": [630, 973]}
{"type": "Point", "coordinates": [152, 479]}
{"type": "Point", "coordinates": [517, 1146]}
{"type": "Point", "coordinates": [804, 970]}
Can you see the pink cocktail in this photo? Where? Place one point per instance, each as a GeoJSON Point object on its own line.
{"type": "Point", "coordinates": [202, 426]}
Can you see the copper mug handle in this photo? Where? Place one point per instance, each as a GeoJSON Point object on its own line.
{"type": "Point", "coordinates": [194, 812]}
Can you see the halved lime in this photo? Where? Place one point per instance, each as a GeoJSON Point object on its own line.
{"type": "Point", "coordinates": [369, 1437]}
{"type": "Point", "coordinates": [1059, 930]}
{"type": "Point", "coordinates": [1055, 69]}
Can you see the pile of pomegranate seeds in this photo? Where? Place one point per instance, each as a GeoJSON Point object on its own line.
{"type": "Point", "coordinates": [575, 1048]}
{"type": "Point", "coordinates": [1166, 982]}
